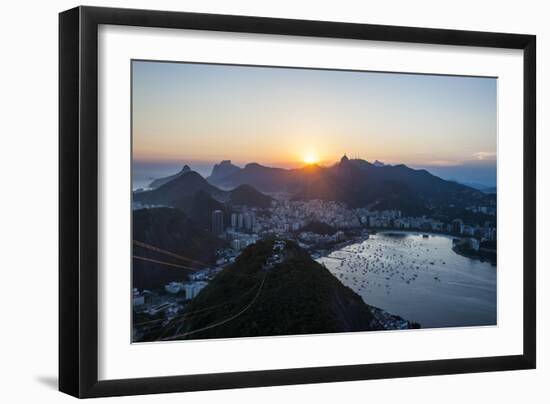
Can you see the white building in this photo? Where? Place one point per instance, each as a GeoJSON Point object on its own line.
{"type": "Point", "coordinates": [473, 244]}
{"type": "Point", "coordinates": [240, 220]}
{"type": "Point", "coordinates": [174, 287]}
{"type": "Point", "coordinates": [138, 300]}
{"type": "Point", "coordinates": [192, 289]}
{"type": "Point", "coordinates": [236, 244]}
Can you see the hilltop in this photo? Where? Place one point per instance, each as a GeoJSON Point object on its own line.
{"type": "Point", "coordinates": [161, 181]}
{"type": "Point", "coordinates": [222, 170]}
{"type": "Point", "coordinates": [249, 196]}
{"type": "Point", "coordinates": [274, 288]}
{"type": "Point", "coordinates": [170, 193]}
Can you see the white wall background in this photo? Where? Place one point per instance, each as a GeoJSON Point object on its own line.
{"type": "Point", "coordinates": [28, 203]}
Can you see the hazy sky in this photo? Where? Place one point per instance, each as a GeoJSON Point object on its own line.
{"type": "Point", "coordinates": [198, 113]}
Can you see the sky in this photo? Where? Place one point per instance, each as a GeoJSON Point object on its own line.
{"type": "Point", "coordinates": [200, 114]}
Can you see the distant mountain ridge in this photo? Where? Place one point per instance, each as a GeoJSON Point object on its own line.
{"type": "Point", "coordinates": [488, 189]}
{"type": "Point", "coordinates": [161, 181]}
{"type": "Point", "coordinates": [354, 182]}
{"type": "Point", "coordinates": [222, 170]}
{"type": "Point", "coordinates": [357, 183]}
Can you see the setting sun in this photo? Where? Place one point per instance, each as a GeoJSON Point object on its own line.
{"type": "Point", "coordinates": [310, 159]}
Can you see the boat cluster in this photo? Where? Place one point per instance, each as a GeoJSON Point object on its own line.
{"type": "Point", "coordinates": [379, 265]}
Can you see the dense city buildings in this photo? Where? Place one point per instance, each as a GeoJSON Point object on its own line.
{"type": "Point", "coordinates": [317, 224]}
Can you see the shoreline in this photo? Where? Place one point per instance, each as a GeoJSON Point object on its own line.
{"type": "Point", "coordinates": [473, 255]}
{"type": "Point", "coordinates": [359, 239]}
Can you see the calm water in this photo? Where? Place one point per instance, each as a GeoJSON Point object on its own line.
{"type": "Point", "coordinates": [420, 279]}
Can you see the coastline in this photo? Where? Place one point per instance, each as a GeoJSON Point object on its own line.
{"type": "Point", "coordinates": [460, 250]}
{"type": "Point", "coordinates": [456, 249]}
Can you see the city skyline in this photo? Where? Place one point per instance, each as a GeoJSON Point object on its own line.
{"type": "Point", "coordinates": [199, 114]}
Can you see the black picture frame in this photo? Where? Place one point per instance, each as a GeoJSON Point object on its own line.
{"type": "Point", "coordinates": [78, 201]}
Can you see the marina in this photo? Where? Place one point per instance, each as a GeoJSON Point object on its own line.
{"type": "Point", "coordinates": [419, 277]}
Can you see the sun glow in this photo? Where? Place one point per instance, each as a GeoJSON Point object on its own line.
{"type": "Point", "coordinates": [310, 158]}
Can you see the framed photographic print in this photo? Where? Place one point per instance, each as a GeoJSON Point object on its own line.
{"type": "Point", "coordinates": [250, 201]}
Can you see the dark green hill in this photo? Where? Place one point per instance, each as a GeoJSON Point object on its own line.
{"type": "Point", "coordinates": [271, 292]}
{"type": "Point", "coordinates": [319, 228]}
{"type": "Point", "coordinates": [184, 185]}
{"type": "Point", "coordinates": [199, 207]}
{"type": "Point", "coordinates": [171, 230]}
{"type": "Point", "coordinates": [249, 196]}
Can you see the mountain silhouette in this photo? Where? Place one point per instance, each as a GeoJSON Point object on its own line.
{"type": "Point", "coordinates": [358, 183]}
{"type": "Point", "coordinates": [191, 189]}
{"type": "Point", "coordinates": [171, 193]}
{"type": "Point", "coordinates": [161, 181]}
{"type": "Point", "coordinates": [354, 182]}
{"type": "Point", "coordinates": [248, 196]}
{"type": "Point", "coordinates": [221, 171]}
